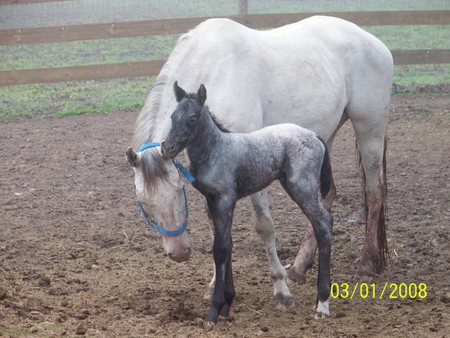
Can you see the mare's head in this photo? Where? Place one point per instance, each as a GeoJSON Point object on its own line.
{"type": "Point", "coordinates": [185, 120]}
{"type": "Point", "coordinates": [159, 190]}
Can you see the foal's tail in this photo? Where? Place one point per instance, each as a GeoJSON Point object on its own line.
{"type": "Point", "coordinates": [326, 176]}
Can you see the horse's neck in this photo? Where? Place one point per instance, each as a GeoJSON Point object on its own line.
{"type": "Point", "coordinates": [162, 121]}
{"type": "Point", "coordinates": [209, 138]}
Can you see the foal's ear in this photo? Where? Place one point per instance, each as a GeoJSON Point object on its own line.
{"type": "Point", "coordinates": [132, 157]}
{"type": "Point", "coordinates": [201, 95]}
{"type": "Point", "coordinates": [179, 92]}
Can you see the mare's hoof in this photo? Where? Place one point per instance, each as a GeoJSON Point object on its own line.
{"type": "Point", "coordinates": [209, 294]}
{"type": "Point", "coordinates": [366, 269]}
{"type": "Point", "coordinates": [282, 302]}
{"type": "Point", "coordinates": [295, 277]}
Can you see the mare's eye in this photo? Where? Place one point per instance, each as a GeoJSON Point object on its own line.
{"type": "Point", "coordinates": [192, 120]}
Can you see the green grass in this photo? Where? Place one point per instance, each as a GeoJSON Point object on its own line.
{"type": "Point", "coordinates": [14, 333]}
{"type": "Point", "coordinates": [60, 99]}
{"type": "Point", "coordinates": [27, 333]}
{"type": "Point", "coordinates": [73, 98]}
{"type": "Point", "coordinates": [415, 76]}
{"type": "Point", "coordinates": [86, 52]}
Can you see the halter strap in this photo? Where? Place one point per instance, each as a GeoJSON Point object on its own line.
{"type": "Point", "coordinates": [188, 176]}
{"type": "Point", "coordinates": [180, 167]}
{"type": "Point", "coordinates": [172, 233]}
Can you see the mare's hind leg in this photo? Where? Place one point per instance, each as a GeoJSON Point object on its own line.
{"type": "Point", "coordinates": [371, 144]}
{"type": "Point", "coordinates": [282, 298]}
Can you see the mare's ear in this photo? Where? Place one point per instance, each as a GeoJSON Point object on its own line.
{"type": "Point", "coordinates": [132, 157]}
{"type": "Point", "coordinates": [201, 95]}
{"type": "Point", "coordinates": [179, 92]}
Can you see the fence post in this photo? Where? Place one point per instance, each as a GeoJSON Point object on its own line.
{"type": "Point", "coordinates": [243, 7]}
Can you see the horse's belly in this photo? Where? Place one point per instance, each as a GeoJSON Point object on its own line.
{"type": "Point", "coordinates": [258, 170]}
{"type": "Point", "coordinates": [321, 115]}
{"type": "Point", "coordinates": [250, 184]}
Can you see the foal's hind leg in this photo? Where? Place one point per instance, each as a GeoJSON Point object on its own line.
{"type": "Point", "coordinates": [305, 256]}
{"type": "Point", "coordinates": [282, 298]}
{"type": "Point", "coordinates": [306, 197]}
{"type": "Point", "coordinates": [307, 251]}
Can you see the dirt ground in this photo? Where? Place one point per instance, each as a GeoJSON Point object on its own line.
{"type": "Point", "coordinates": [76, 257]}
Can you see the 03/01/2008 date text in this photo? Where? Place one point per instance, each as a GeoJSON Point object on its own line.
{"type": "Point", "coordinates": [374, 291]}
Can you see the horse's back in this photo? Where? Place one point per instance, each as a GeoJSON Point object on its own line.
{"type": "Point", "coordinates": [304, 73]}
{"type": "Point", "coordinates": [283, 140]}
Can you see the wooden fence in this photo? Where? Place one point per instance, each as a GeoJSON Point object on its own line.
{"type": "Point", "coordinates": [176, 26]}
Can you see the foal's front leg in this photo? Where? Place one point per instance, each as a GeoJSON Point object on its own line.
{"type": "Point", "coordinates": [221, 210]}
{"type": "Point", "coordinates": [210, 290]}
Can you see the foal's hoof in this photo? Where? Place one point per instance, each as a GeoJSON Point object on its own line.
{"type": "Point", "coordinates": [320, 315]}
{"type": "Point", "coordinates": [207, 326]}
{"type": "Point", "coordinates": [225, 311]}
{"type": "Point", "coordinates": [282, 302]}
{"type": "Point", "coordinates": [322, 309]}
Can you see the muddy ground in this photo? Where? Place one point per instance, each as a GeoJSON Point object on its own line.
{"type": "Point", "coordinates": [76, 257]}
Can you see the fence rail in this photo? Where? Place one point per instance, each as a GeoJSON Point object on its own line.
{"type": "Point", "coordinates": [182, 25]}
{"type": "Point", "coordinates": [152, 68]}
{"type": "Point", "coordinates": [175, 26]}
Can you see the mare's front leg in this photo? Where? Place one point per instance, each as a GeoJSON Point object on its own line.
{"type": "Point", "coordinates": [221, 209]}
{"type": "Point", "coordinates": [282, 297]}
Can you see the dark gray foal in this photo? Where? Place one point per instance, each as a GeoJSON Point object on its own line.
{"type": "Point", "coordinates": [228, 166]}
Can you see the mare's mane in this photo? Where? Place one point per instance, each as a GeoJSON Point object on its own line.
{"type": "Point", "coordinates": [152, 163]}
{"type": "Point", "coordinates": [151, 111]}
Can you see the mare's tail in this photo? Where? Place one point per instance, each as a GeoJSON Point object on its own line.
{"type": "Point", "coordinates": [326, 176]}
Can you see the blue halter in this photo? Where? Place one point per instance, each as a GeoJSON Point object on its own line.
{"type": "Point", "coordinates": [188, 176]}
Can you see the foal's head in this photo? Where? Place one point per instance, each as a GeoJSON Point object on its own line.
{"type": "Point", "coordinates": [185, 120]}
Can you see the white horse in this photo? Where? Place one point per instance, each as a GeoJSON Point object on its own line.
{"type": "Point", "coordinates": [317, 73]}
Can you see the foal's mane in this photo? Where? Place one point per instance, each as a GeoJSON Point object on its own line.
{"type": "Point", "coordinates": [217, 122]}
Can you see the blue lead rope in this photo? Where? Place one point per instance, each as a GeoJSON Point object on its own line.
{"type": "Point", "coordinates": [188, 176]}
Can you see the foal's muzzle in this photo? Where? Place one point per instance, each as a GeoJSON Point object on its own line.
{"type": "Point", "coordinates": [168, 149]}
